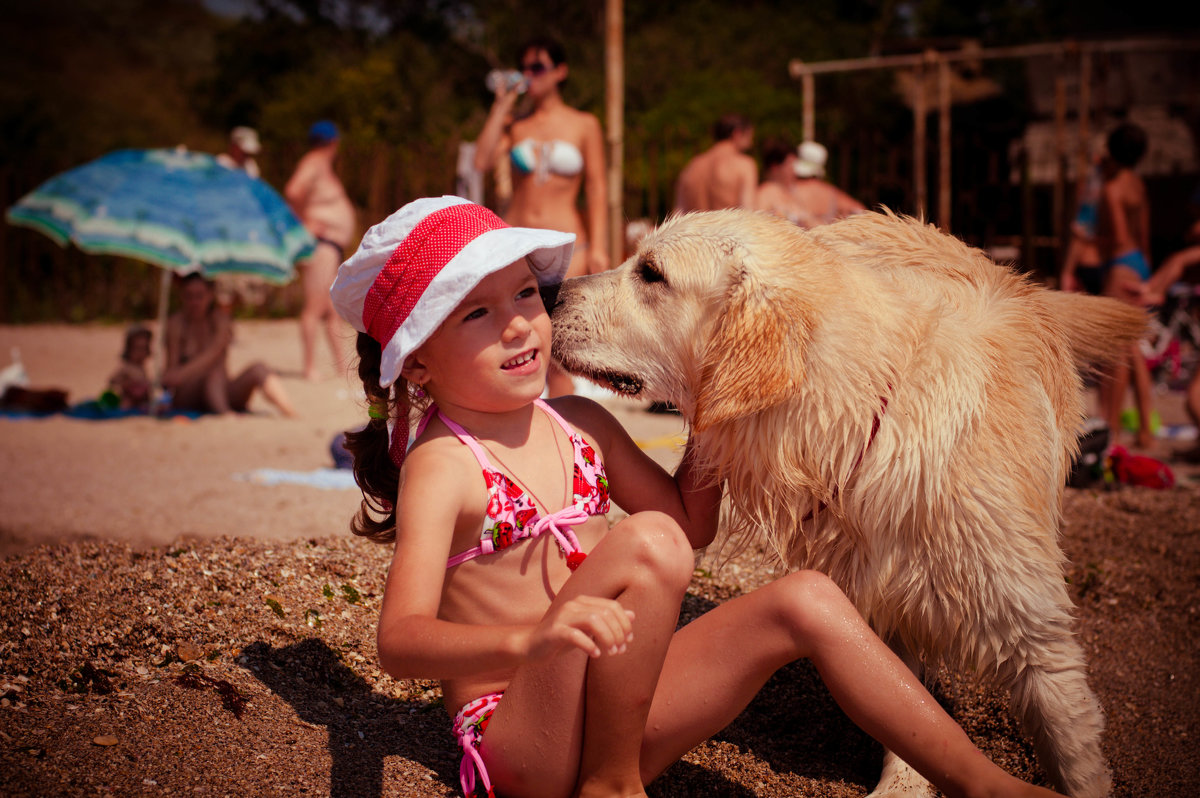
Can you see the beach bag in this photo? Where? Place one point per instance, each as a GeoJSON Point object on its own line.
{"type": "Point", "coordinates": [1139, 470]}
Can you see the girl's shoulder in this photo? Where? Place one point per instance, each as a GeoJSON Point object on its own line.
{"type": "Point", "coordinates": [588, 417]}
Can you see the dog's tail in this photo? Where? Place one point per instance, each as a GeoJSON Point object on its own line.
{"type": "Point", "coordinates": [1100, 330]}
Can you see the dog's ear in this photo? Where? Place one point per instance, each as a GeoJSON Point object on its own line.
{"type": "Point", "coordinates": [755, 357]}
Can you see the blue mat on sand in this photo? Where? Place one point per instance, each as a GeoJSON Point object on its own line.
{"type": "Point", "coordinates": [327, 478]}
{"type": "Point", "coordinates": [91, 410]}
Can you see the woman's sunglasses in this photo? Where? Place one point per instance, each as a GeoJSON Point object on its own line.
{"type": "Point", "coordinates": [534, 68]}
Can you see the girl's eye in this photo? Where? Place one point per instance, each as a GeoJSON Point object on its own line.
{"type": "Point", "coordinates": [477, 313]}
{"type": "Point", "coordinates": [527, 292]}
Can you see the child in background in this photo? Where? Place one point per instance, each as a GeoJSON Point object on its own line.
{"type": "Point", "coordinates": [555, 633]}
{"type": "Point", "coordinates": [1123, 235]}
{"type": "Point", "coordinates": [130, 384]}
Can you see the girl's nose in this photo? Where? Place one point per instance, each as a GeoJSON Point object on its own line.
{"type": "Point", "coordinates": [518, 327]}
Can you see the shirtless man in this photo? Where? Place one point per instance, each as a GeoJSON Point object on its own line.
{"type": "Point", "coordinates": [723, 176]}
{"type": "Point", "coordinates": [319, 200]}
{"type": "Point", "coordinates": [777, 192]}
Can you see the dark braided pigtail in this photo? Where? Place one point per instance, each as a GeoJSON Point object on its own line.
{"type": "Point", "coordinates": [374, 470]}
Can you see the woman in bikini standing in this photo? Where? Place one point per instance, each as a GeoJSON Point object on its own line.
{"type": "Point", "coordinates": [554, 151]}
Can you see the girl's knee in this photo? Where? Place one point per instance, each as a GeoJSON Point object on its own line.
{"type": "Point", "coordinates": [809, 602]}
{"type": "Point", "coordinates": [656, 542]}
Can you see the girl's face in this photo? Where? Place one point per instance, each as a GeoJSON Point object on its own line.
{"type": "Point", "coordinates": [139, 349]}
{"type": "Point", "coordinates": [492, 352]}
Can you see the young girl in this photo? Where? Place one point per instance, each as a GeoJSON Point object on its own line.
{"type": "Point", "coordinates": [130, 383]}
{"type": "Point", "coordinates": [553, 632]}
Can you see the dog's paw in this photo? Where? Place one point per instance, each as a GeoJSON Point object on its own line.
{"type": "Point", "coordinates": [899, 780]}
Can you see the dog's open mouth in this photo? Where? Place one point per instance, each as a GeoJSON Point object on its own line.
{"type": "Point", "coordinates": [621, 383]}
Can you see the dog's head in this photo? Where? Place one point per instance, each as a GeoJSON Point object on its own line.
{"type": "Point", "coordinates": [712, 314]}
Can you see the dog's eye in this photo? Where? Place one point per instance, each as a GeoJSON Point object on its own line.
{"type": "Point", "coordinates": [649, 273]}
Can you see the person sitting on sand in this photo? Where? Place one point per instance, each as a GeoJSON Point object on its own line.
{"type": "Point", "coordinates": [198, 338]}
{"type": "Point", "coordinates": [555, 632]}
{"type": "Point", "coordinates": [130, 383]}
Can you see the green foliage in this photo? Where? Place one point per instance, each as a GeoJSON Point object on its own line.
{"type": "Point", "coordinates": [404, 81]}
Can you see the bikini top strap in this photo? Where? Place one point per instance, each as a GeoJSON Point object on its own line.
{"type": "Point", "coordinates": [562, 422]}
{"type": "Point", "coordinates": [468, 439]}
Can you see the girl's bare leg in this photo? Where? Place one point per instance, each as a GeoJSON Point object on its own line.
{"type": "Point", "coordinates": [717, 664]}
{"type": "Point", "coordinates": [573, 725]}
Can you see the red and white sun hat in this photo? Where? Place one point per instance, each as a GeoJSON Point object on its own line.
{"type": "Point", "coordinates": [414, 268]}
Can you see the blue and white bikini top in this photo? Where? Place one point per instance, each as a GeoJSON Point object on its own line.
{"type": "Point", "coordinates": [544, 158]}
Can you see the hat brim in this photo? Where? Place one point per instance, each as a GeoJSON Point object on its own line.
{"type": "Point", "coordinates": [549, 253]}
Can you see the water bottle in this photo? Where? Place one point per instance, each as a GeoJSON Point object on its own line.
{"type": "Point", "coordinates": [509, 79]}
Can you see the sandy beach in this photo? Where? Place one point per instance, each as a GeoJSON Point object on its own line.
{"type": "Point", "coordinates": [173, 623]}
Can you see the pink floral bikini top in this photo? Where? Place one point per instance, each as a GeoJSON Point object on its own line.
{"type": "Point", "coordinates": [511, 514]}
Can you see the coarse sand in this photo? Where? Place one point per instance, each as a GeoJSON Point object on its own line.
{"type": "Point", "coordinates": [170, 624]}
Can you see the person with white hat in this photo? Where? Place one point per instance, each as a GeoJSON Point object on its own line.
{"type": "Point", "coordinates": [243, 146]}
{"type": "Point", "coordinates": [822, 201]}
{"type": "Point", "coordinates": [555, 633]}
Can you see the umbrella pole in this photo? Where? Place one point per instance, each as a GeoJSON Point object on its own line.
{"type": "Point", "coordinates": [164, 301]}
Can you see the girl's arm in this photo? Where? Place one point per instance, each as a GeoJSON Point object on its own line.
{"type": "Point", "coordinates": [692, 496]}
{"type": "Point", "coordinates": [596, 191]}
{"type": "Point", "coordinates": [414, 642]}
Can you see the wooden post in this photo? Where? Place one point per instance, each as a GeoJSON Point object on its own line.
{"type": "Point", "coordinates": [944, 151]}
{"type": "Point", "coordinates": [1059, 204]}
{"type": "Point", "coordinates": [920, 112]}
{"type": "Point", "coordinates": [807, 91]}
{"type": "Point", "coordinates": [1085, 116]}
{"type": "Point", "coordinates": [615, 91]}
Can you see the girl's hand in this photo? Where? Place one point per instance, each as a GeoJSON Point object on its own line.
{"type": "Point", "coordinates": [597, 626]}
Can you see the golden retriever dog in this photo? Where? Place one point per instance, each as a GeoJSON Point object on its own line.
{"type": "Point", "coordinates": [890, 407]}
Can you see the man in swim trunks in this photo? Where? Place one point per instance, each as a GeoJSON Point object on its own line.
{"type": "Point", "coordinates": [723, 176]}
{"type": "Point", "coordinates": [318, 198]}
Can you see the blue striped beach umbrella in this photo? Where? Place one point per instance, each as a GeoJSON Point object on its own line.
{"type": "Point", "coordinates": [177, 209]}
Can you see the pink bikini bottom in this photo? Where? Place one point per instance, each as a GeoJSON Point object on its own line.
{"type": "Point", "coordinates": [469, 725]}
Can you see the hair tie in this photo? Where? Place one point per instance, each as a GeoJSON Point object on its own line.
{"type": "Point", "coordinates": [377, 412]}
